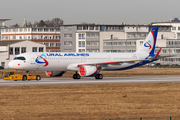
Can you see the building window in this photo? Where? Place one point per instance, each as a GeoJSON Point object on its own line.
{"type": "Point", "coordinates": [81, 50]}
{"type": "Point", "coordinates": [94, 43]}
{"type": "Point", "coordinates": [68, 43]}
{"type": "Point", "coordinates": [46, 29]}
{"type": "Point", "coordinates": [79, 43]}
{"type": "Point", "coordinates": [52, 44]}
{"type": "Point", "coordinates": [83, 43]}
{"type": "Point", "coordinates": [51, 29]}
{"type": "Point", "coordinates": [97, 28]}
{"type": "Point", "coordinates": [34, 49]}
{"type": "Point", "coordinates": [20, 37]}
{"type": "Point", "coordinates": [173, 28]}
{"type": "Point", "coordinates": [79, 27]}
{"type": "Point", "coordinates": [92, 35]}
{"type": "Point", "coordinates": [161, 36]}
{"type": "Point", "coordinates": [20, 30]}
{"type": "Point", "coordinates": [85, 27]}
{"type": "Point", "coordinates": [111, 36]}
{"type": "Point", "coordinates": [80, 35]}
{"type": "Point", "coordinates": [3, 64]}
{"type": "Point", "coordinates": [83, 36]}
{"type": "Point", "coordinates": [41, 49]}
{"type": "Point", "coordinates": [11, 51]}
{"type": "Point", "coordinates": [91, 28]}
{"type": "Point", "coordinates": [16, 50]}
{"type": "Point", "coordinates": [58, 44]}
{"type": "Point", "coordinates": [14, 37]}
{"type": "Point", "coordinates": [178, 28]}
{"type": "Point", "coordinates": [67, 27]}
{"type": "Point", "coordinates": [68, 35]}
{"type": "Point", "coordinates": [23, 49]}
{"type": "Point", "coordinates": [46, 44]}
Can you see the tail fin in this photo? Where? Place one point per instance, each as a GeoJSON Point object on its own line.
{"type": "Point", "coordinates": [150, 42]}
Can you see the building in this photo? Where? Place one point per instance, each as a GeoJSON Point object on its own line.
{"type": "Point", "coordinates": [9, 49]}
{"type": "Point", "coordinates": [101, 37]}
{"type": "Point", "coordinates": [2, 25]}
{"type": "Point", "coordinates": [118, 38]}
{"type": "Point", "coordinates": [80, 38]}
{"type": "Point", "coordinates": [49, 36]}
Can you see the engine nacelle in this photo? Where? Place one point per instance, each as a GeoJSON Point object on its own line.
{"type": "Point", "coordinates": [88, 71]}
{"type": "Point", "coordinates": [54, 73]}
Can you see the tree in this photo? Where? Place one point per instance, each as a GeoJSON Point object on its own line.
{"type": "Point", "coordinates": [41, 24]}
{"type": "Point", "coordinates": [49, 23]}
{"type": "Point", "coordinates": [15, 26]}
{"type": "Point", "coordinates": [57, 22]}
{"type": "Point", "coordinates": [35, 24]}
{"type": "Point", "coordinates": [29, 24]}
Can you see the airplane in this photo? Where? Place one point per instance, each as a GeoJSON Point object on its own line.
{"type": "Point", "coordinates": [87, 64]}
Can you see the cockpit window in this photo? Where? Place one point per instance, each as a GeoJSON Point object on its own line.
{"type": "Point", "coordinates": [19, 58]}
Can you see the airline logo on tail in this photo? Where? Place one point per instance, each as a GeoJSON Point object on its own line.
{"type": "Point", "coordinates": [148, 44]}
{"type": "Point", "coordinates": [42, 60]}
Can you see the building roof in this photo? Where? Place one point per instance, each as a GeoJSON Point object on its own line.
{"type": "Point", "coordinates": [5, 43]}
{"type": "Point", "coordinates": [4, 19]}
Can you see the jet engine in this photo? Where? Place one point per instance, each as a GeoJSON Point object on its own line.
{"type": "Point", "coordinates": [54, 73]}
{"type": "Point", "coordinates": [88, 71]}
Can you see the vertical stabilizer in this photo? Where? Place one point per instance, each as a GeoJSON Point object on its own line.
{"type": "Point", "coordinates": [150, 42]}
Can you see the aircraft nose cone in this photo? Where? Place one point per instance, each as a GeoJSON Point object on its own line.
{"type": "Point", "coordinates": [11, 65]}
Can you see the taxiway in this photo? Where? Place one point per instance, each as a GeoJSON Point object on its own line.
{"type": "Point", "coordinates": [92, 80]}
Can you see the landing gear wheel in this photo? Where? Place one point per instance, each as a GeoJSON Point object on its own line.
{"type": "Point", "coordinates": [38, 77]}
{"type": "Point", "coordinates": [76, 76]}
{"type": "Point", "coordinates": [99, 76]}
{"type": "Point", "coordinates": [24, 78]}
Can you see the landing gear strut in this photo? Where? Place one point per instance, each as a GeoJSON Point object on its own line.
{"type": "Point", "coordinates": [76, 76]}
{"type": "Point", "coordinates": [99, 76]}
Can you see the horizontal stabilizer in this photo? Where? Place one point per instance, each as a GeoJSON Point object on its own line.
{"type": "Point", "coordinates": [159, 57]}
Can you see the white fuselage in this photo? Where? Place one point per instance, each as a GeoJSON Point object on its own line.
{"type": "Point", "coordinates": [63, 61]}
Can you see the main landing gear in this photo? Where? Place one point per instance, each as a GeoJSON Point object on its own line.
{"type": "Point", "coordinates": [99, 76]}
{"type": "Point", "coordinates": [76, 76]}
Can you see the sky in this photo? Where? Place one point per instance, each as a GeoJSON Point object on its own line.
{"type": "Point", "coordinates": [90, 11]}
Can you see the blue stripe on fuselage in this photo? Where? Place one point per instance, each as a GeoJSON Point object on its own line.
{"type": "Point", "coordinates": [136, 65]}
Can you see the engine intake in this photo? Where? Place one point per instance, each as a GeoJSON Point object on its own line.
{"type": "Point", "coordinates": [88, 71]}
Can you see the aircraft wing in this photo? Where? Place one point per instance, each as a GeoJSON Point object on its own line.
{"type": "Point", "coordinates": [107, 63]}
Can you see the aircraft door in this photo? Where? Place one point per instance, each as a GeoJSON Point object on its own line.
{"type": "Point", "coordinates": [32, 57]}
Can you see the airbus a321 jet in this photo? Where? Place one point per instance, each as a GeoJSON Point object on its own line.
{"type": "Point", "coordinates": [87, 64]}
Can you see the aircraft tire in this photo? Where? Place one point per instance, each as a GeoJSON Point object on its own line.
{"type": "Point", "coordinates": [24, 78]}
{"type": "Point", "coordinates": [78, 76]}
{"type": "Point", "coordinates": [100, 76]}
{"type": "Point", "coordinates": [38, 77]}
{"type": "Point", "coordinates": [97, 76]}
{"type": "Point", "coordinates": [75, 76]}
